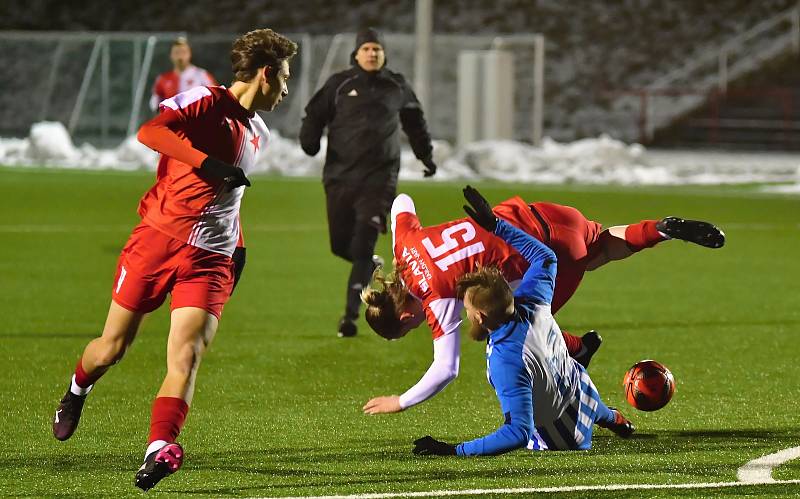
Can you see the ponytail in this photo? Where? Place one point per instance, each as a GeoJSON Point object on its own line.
{"type": "Point", "coordinates": [384, 305]}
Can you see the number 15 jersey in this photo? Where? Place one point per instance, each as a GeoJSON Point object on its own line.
{"type": "Point", "coordinates": [434, 258]}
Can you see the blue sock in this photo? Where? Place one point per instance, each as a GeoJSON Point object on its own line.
{"type": "Point", "coordinates": [603, 414]}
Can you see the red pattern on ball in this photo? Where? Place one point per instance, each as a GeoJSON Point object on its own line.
{"type": "Point", "coordinates": [649, 385]}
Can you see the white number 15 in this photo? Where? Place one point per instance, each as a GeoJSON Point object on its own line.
{"type": "Point", "coordinates": [466, 231]}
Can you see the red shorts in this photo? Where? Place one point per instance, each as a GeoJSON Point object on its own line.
{"type": "Point", "coordinates": [573, 238]}
{"type": "Point", "coordinates": [153, 264]}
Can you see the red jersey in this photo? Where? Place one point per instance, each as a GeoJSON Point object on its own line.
{"type": "Point", "coordinates": [170, 83]}
{"type": "Point", "coordinates": [436, 257]}
{"type": "Point", "coordinates": [183, 203]}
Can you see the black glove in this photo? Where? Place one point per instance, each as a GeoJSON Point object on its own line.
{"type": "Point", "coordinates": [429, 446]}
{"type": "Point", "coordinates": [232, 176]}
{"type": "Point", "coordinates": [239, 257]}
{"type": "Point", "coordinates": [481, 210]}
{"type": "Point", "coordinates": [430, 167]}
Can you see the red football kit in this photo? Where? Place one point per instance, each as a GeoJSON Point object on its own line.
{"type": "Point", "coordinates": [435, 257]}
{"type": "Point", "coordinates": [170, 83]}
{"type": "Point", "coordinates": [190, 222]}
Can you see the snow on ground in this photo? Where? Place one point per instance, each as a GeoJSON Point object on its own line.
{"type": "Point", "coordinates": [784, 189]}
{"type": "Point", "coordinates": [600, 160]}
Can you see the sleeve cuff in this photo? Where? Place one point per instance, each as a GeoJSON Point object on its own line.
{"type": "Point", "coordinates": [198, 158]}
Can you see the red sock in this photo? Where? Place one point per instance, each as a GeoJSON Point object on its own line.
{"type": "Point", "coordinates": [169, 414]}
{"type": "Point", "coordinates": [574, 343]}
{"type": "Point", "coordinates": [642, 235]}
{"type": "Point", "coordinates": [85, 380]}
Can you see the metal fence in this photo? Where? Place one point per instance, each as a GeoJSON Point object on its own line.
{"type": "Point", "coordinates": [98, 84]}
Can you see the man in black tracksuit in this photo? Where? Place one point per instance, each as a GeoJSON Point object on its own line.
{"type": "Point", "coordinates": [363, 108]}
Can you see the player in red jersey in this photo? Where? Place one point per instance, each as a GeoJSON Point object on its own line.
{"type": "Point", "coordinates": [430, 260]}
{"type": "Point", "coordinates": [183, 76]}
{"type": "Point", "coordinates": [208, 137]}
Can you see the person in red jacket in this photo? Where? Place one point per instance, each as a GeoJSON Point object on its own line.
{"type": "Point", "coordinates": [183, 76]}
{"type": "Point", "coordinates": [209, 138]}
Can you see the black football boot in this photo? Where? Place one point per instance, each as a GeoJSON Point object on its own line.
{"type": "Point", "coordinates": [693, 231]}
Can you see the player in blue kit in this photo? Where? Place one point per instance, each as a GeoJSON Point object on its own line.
{"type": "Point", "coordinates": [548, 400]}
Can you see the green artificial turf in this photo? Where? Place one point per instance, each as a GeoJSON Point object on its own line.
{"type": "Point", "coordinates": [277, 409]}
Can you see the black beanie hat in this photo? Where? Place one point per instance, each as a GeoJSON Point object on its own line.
{"type": "Point", "coordinates": [368, 35]}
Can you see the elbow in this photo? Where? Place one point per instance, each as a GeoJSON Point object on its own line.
{"type": "Point", "coordinates": [548, 256]}
{"type": "Point", "coordinates": [449, 374]}
{"type": "Point", "coordinates": [144, 135]}
{"type": "Point", "coordinates": [446, 376]}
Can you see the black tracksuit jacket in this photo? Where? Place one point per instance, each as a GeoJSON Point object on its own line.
{"type": "Point", "coordinates": [363, 112]}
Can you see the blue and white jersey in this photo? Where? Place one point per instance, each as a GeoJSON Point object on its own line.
{"type": "Point", "coordinates": [554, 374]}
{"type": "Point", "coordinates": [548, 400]}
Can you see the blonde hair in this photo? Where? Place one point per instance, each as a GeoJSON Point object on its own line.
{"type": "Point", "coordinates": [490, 293]}
{"type": "Point", "coordinates": [385, 305]}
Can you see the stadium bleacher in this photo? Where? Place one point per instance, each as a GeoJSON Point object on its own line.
{"type": "Point", "coordinates": [593, 48]}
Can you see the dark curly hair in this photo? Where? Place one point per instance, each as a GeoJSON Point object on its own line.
{"type": "Point", "coordinates": [259, 48]}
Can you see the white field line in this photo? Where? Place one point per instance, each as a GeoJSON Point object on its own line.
{"type": "Point", "coordinates": [755, 472]}
{"type": "Point", "coordinates": [760, 470]}
{"type": "Point", "coordinates": [544, 490]}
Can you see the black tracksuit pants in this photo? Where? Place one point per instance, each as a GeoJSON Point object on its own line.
{"type": "Point", "coordinates": [356, 215]}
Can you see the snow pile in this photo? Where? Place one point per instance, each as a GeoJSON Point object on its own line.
{"type": "Point", "coordinates": [285, 157]}
{"type": "Point", "coordinates": [786, 189]}
{"type": "Point", "coordinates": [133, 152]}
{"type": "Point", "coordinates": [49, 144]}
{"type": "Point", "coordinates": [13, 151]}
{"type": "Point", "coordinates": [589, 161]}
{"type": "Point", "coordinates": [710, 167]}
{"type": "Point", "coordinates": [443, 155]}
{"type": "Point", "coordinates": [49, 140]}
{"type": "Point", "coordinates": [598, 161]}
